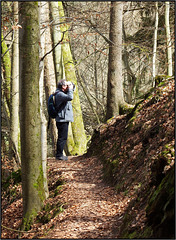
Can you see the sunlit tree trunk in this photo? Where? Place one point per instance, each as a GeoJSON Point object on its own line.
{"type": "Point", "coordinates": [115, 98]}
{"type": "Point", "coordinates": [49, 77]}
{"type": "Point", "coordinates": [168, 39]}
{"type": "Point", "coordinates": [30, 122]}
{"type": "Point", "coordinates": [155, 41]}
{"type": "Point", "coordinates": [14, 119]}
{"type": "Point", "coordinates": [42, 17]}
{"type": "Point", "coordinates": [56, 36]}
{"type": "Point", "coordinates": [79, 135]}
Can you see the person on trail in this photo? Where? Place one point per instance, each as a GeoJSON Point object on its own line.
{"type": "Point", "coordinates": [63, 98]}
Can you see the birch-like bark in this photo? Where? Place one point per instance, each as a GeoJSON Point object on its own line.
{"type": "Point", "coordinates": [14, 117]}
{"type": "Point", "coordinates": [56, 36]}
{"type": "Point", "coordinates": [168, 39]}
{"type": "Point", "coordinates": [155, 42]}
{"type": "Point", "coordinates": [42, 19]}
{"type": "Point", "coordinates": [49, 76]}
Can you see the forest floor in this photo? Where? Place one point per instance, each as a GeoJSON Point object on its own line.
{"type": "Point", "coordinates": [89, 207]}
{"type": "Point", "coordinates": [82, 203]}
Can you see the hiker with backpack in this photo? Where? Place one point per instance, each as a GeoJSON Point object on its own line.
{"type": "Point", "coordinates": [62, 111]}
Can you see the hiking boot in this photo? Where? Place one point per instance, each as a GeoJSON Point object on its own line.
{"type": "Point", "coordinates": [65, 158]}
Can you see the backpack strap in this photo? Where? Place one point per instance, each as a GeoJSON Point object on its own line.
{"type": "Point", "coordinates": [49, 120]}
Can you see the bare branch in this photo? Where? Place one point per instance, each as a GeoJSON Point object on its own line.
{"type": "Point", "coordinates": [53, 47]}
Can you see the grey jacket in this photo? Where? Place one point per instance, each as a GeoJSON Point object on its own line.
{"type": "Point", "coordinates": [63, 104]}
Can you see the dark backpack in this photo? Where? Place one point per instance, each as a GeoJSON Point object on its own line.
{"type": "Point", "coordinates": [52, 112]}
{"type": "Point", "coordinates": [51, 106]}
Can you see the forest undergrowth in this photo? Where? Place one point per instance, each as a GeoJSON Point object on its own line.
{"type": "Point", "coordinates": [116, 190]}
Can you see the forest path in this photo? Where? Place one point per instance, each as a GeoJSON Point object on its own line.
{"type": "Point", "coordinates": [93, 209]}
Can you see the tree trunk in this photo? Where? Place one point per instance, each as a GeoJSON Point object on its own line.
{"type": "Point", "coordinates": [14, 118]}
{"type": "Point", "coordinates": [168, 39]}
{"type": "Point", "coordinates": [30, 123]}
{"type": "Point", "coordinates": [155, 42]}
{"type": "Point", "coordinates": [130, 75]}
{"type": "Point", "coordinates": [79, 135]}
{"type": "Point", "coordinates": [56, 36]}
{"type": "Point", "coordinates": [42, 9]}
{"type": "Point", "coordinates": [6, 63]}
{"type": "Point", "coordinates": [115, 83]}
{"type": "Point", "coordinates": [49, 78]}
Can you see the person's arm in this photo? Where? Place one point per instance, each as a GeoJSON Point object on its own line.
{"type": "Point", "coordinates": [63, 97]}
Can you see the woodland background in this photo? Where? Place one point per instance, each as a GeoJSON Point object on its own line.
{"type": "Point", "coordinates": [43, 42]}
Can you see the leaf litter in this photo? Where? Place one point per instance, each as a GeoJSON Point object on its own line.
{"type": "Point", "coordinates": [82, 204]}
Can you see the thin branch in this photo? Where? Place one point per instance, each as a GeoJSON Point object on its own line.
{"type": "Point", "coordinates": [6, 35]}
{"type": "Point", "coordinates": [53, 47]}
{"type": "Point", "coordinates": [9, 45]}
{"type": "Point", "coordinates": [11, 229]}
{"type": "Point", "coordinates": [96, 30]}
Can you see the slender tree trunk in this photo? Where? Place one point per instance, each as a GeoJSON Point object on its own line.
{"type": "Point", "coordinates": [115, 87]}
{"type": "Point", "coordinates": [14, 119]}
{"type": "Point", "coordinates": [42, 15]}
{"type": "Point", "coordinates": [155, 42]}
{"type": "Point", "coordinates": [168, 39]}
{"type": "Point", "coordinates": [6, 63]}
{"type": "Point", "coordinates": [56, 36]}
{"type": "Point", "coordinates": [49, 78]}
{"type": "Point", "coordinates": [79, 136]}
{"type": "Point", "coordinates": [30, 123]}
{"type": "Point", "coordinates": [130, 75]}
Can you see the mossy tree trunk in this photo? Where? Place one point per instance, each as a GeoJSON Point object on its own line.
{"type": "Point", "coordinates": [31, 159]}
{"type": "Point", "coordinates": [56, 36]}
{"type": "Point", "coordinates": [79, 136]}
{"type": "Point", "coordinates": [6, 70]}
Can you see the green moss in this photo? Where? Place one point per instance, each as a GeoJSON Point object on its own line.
{"type": "Point", "coordinates": [109, 120]}
{"type": "Point", "coordinates": [160, 80]}
{"type": "Point", "coordinates": [39, 184]}
{"type": "Point", "coordinates": [147, 233]}
{"type": "Point", "coordinates": [125, 108]}
{"type": "Point", "coordinates": [133, 235]}
{"type": "Point", "coordinates": [28, 220]}
{"type": "Point", "coordinates": [49, 212]}
{"type": "Point", "coordinates": [160, 209]}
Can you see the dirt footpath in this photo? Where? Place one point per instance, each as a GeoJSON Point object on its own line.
{"type": "Point", "coordinates": [93, 209]}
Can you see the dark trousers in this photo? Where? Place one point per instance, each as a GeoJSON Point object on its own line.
{"type": "Point", "coordinates": [62, 128]}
